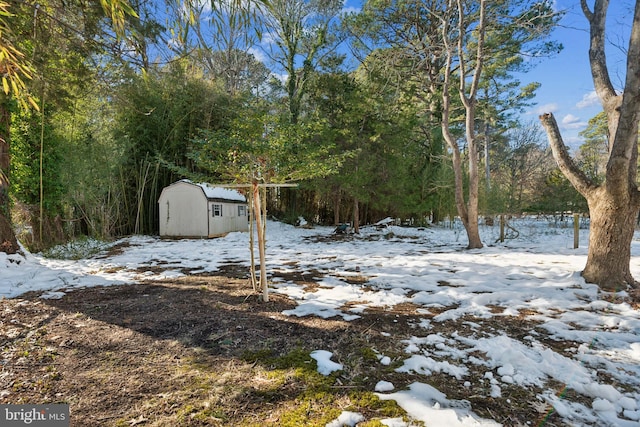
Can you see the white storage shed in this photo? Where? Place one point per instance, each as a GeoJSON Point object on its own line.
{"type": "Point", "coordinates": [200, 210]}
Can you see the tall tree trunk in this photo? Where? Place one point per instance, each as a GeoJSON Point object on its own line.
{"type": "Point", "coordinates": [468, 210]}
{"type": "Point", "coordinates": [471, 224]}
{"type": "Point", "coordinates": [8, 242]}
{"type": "Point", "coordinates": [487, 163]}
{"type": "Point", "coordinates": [613, 208]}
{"type": "Point", "coordinates": [469, 101]}
{"type": "Point", "coordinates": [471, 227]}
{"type": "Point", "coordinates": [5, 157]}
{"type": "Point", "coordinates": [611, 232]}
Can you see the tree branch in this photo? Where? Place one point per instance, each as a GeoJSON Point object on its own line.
{"type": "Point", "coordinates": [597, 57]}
{"type": "Point", "coordinates": [624, 151]}
{"type": "Point", "coordinates": [585, 9]}
{"type": "Point", "coordinates": [560, 153]}
{"type": "Point", "coordinates": [479, 53]}
{"type": "Point", "coordinates": [630, 108]}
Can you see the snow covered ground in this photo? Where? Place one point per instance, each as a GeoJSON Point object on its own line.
{"type": "Point", "coordinates": [536, 275]}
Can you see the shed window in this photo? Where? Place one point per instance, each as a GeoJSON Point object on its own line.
{"type": "Point", "coordinates": [216, 210]}
{"type": "Point", "coordinates": [242, 210]}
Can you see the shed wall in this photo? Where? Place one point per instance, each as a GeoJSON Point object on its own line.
{"type": "Point", "coordinates": [229, 220]}
{"type": "Point", "coordinates": [183, 211]}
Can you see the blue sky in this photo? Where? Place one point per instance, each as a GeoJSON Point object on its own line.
{"type": "Point", "coordinates": [567, 88]}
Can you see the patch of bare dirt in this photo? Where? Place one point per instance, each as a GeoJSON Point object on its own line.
{"type": "Point", "coordinates": [200, 350]}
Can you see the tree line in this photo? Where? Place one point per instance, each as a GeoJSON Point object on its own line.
{"type": "Point", "coordinates": [350, 106]}
{"type": "Point", "coordinates": [405, 108]}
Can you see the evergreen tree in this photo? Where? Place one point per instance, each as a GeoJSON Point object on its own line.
{"type": "Point", "coordinates": [595, 149]}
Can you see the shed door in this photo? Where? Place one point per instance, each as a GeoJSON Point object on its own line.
{"type": "Point", "coordinates": [216, 218]}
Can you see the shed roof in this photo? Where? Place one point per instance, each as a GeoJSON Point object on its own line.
{"type": "Point", "coordinates": [219, 193]}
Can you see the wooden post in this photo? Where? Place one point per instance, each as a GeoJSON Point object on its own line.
{"type": "Point", "coordinates": [257, 208]}
{"type": "Point", "coordinates": [252, 266]}
{"type": "Point", "coordinates": [576, 230]}
{"type": "Point", "coordinates": [501, 228]}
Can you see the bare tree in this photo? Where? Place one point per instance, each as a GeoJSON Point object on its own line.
{"type": "Point", "coordinates": [456, 59]}
{"type": "Point", "coordinates": [478, 37]}
{"type": "Point", "coordinates": [521, 166]}
{"type": "Point", "coordinates": [444, 51]}
{"type": "Point", "coordinates": [220, 37]}
{"type": "Point", "coordinates": [613, 205]}
{"type": "Point", "coordinates": [301, 39]}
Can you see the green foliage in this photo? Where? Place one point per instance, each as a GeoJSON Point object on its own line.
{"type": "Point", "coordinates": [118, 128]}
{"type": "Point", "coordinates": [54, 37]}
{"type": "Point", "coordinates": [16, 68]}
{"type": "Point", "coordinates": [316, 402]}
{"type": "Point", "coordinates": [394, 156]}
{"type": "Point", "coordinates": [260, 147]}
{"type": "Point", "coordinates": [91, 164]}
{"type": "Point", "coordinates": [117, 11]}
{"type": "Point", "coordinates": [407, 36]}
{"type": "Point", "coordinates": [25, 165]}
{"type": "Point", "coordinates": [558, 195]}
{"type": "Point", "coordinates": [302, 28]}
{"type": "Point", "coordinates": [157, 115]}
{"type": "Point", "coordinates": [594, 153]}
{"type": "Point", "coordinates": [443, 200]}
{"type": "Point", "coordinates": [82, 247]}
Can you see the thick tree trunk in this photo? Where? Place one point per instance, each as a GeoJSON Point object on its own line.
{"type": "Point", "coordinates": [473, 234]}
{"type": "Point", "coordinates": [8, 242]}
{"type": "Point", "coordinates": [610, 235]}
{"type": "Point", "coordinates": [468, 210]}
{"type": "Point", "coordinates": [613, 208]}
{"type": "Point", "coordinates": [5, 157]}
{"type": "Point", "coordinates": [474, 179]}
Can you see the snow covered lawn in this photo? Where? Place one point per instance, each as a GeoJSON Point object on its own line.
{"type": "Point", "coordinates": [579, 348]}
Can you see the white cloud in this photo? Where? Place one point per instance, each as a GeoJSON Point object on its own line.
{"type": "Point", "coordinates": [588, 100]}
{"type": "Point", "coordinates": [546, 108]}
{"type": "Point", "coordinates": [573, 142]}
{"type": "Point", "coordinates": [570, 118]}
{"type": "Point", "coordinates": [258, 54]}
{"type": "Point", "coordinates": [572, 122]}
{"type": "Point", "coordinates": [268, 38]}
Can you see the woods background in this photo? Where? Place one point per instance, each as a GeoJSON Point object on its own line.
{"type": "Point", "coordinates": [290, 91]}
